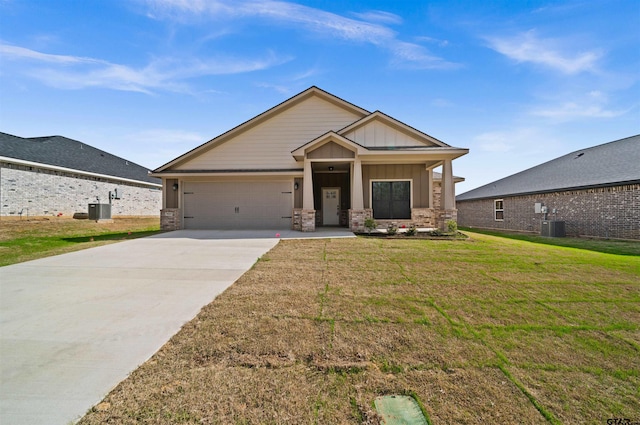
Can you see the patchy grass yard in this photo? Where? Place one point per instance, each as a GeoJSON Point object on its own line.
{"type": "Point", "coordinates": [29, 239]}
{"type": "Point", "coordinates": [488, 330]}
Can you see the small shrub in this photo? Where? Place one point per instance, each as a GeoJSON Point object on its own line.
{"type": "Point", "coordinates": [411, 231]}
{"type": "Point", "coordinates": [370, 224]}
{"type": "Point", "coordinates": [392, 229]}
{"type": "Point", "coordinates": [452, 226]}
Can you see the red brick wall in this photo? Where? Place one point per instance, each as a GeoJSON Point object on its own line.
{"type": "Point", "coordinates": [612, 212]}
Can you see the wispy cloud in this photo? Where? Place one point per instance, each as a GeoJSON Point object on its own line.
{"type": "Point", "coordinates": [528, 47]}
{"type": "Point", "coordinates": [593, 104]}
{"type": "Point", "coordinates": [73, 72]}
{"type": "Point", "coordinates": [368, 29]}
{"type": "Point", "coordinates": [379, 16]}
{"type": "Point", "coordinates": [572, 110]}
{"type": "Point", "coordinates": [16, 52]}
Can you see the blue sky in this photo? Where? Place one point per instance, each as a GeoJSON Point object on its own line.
{"type": "Point", "coordinates": [516, 82]}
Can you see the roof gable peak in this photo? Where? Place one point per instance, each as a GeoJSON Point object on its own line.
{"type": "Point", "coordinates": [264, 116]}
{"type": "Point", "coordinates": [380, 116]}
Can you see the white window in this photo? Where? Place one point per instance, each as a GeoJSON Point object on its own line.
{"type": "Point", "coordinates": [498, 210]}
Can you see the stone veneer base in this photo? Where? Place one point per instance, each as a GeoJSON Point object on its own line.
{"type": "Point", "coordinates": [357, 219]}
{"type": "Point", "coordinates": [170, 219]}
{"type": "Point", "coordinates": [303, 220]}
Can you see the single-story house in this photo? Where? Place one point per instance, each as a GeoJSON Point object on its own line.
{"type": "Point", "coordinates": [313, 160]}
{"type": "Point", "coordinates": [57, 176]}
{"type": "Point", "coordinates": [594, 191]}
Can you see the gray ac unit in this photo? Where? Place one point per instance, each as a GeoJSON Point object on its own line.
{"type": "Point", "coordinates": [99, 211]}
{"type": "Point", "coordinates": [553, 229]}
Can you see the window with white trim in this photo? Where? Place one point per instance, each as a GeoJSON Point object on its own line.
{"type": "Point", "coordinates": [498, 210]}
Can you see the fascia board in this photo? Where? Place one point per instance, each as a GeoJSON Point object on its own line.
{"type": "Point", "coordinates": [432, 154]}
{"type": "Point", "coordinates": [218, 173]}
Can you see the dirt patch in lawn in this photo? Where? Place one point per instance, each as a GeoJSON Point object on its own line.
{"type": "Point", "coordinates": [318, 329]}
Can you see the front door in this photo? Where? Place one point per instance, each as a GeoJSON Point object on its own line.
{"type": "Point", "coordinates": [331, 206]}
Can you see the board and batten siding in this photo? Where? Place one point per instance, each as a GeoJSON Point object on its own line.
{"type": "Point", "coordinates": [269, 144]}
{"type": "Point", "coordinates": [415, 172]}
{"type": "Point", "coordinates": [378, 134]}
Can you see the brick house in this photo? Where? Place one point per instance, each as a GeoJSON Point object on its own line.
{"type": "Point", "coordinates": [54, 175]}
{"type": "Point", "coordinates": [595, 191]}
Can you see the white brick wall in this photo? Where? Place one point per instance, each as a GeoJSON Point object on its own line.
{"type": "Point", "coordinates": [48, 192]}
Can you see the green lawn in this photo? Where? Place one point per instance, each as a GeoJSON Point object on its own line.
{"type": "Point", "coordinates": [609, 246]}
{"type": "Point", "coordinates": [485, 330]}
{"type": "Point", "coordinates": [23, 240]}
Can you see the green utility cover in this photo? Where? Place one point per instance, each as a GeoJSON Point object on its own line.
{"type": "Point", "coordinates": [399, 410]}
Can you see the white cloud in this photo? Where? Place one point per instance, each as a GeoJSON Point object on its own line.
{"type": "Point", "coordinates": [588, 105]}
{"type": "Point", "coordinates": [528, 47]}
{"type": "Point", "coordinates": [379, 16]}
{"type": "Point", "coordinates": [308, 19]}
{"type": "Point", "coordinates": [72, 72]}
{"type": "Point", "coordinates": [9, 51]}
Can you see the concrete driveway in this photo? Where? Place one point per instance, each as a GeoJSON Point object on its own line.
{"type": "Point", "coordinates": [75, 325]}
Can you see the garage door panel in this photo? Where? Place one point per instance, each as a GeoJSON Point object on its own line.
{"type": "Point", "coordinates": [238, 205]}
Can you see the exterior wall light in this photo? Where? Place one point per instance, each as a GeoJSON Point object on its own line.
{"type": "Point", "coordinates": [295, 186]}
{"type": "Point", "coordinates": [175, 186]}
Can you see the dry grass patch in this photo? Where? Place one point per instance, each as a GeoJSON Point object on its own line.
{"type": "Point", "coordinates": [579, 397]}
{"type": "Point", "coordinates": [479, 331]}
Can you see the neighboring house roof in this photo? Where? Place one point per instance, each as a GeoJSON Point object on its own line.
{"type": "Point", "coordinates": [438, 177]}
{"type": "Point", "coordinates": [71, 154]}
{"type": "Point", "coordinates": [608, 164]}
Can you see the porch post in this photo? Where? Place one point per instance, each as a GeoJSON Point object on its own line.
{"type": "Point", "coordinates": [357, 196]}
{"type": "Point", "coordinates": [307, 189]}
{"type": "Point", "coordinates": [430, 189]}
{"type": "Point", "coordinates": [448, 190]}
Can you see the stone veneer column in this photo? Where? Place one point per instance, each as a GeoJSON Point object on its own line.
{"type": "Point", "coordinates": [442, 216]}
{"type": "Point", "coordinates": [357, 219]}
{"type": "Point", "coordinates": [170, 219]}
{"type": "Point", "coordinates": [308, 220]}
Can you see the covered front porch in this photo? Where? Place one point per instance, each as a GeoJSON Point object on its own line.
{"type": "Point", "coordinates": [343, 184]}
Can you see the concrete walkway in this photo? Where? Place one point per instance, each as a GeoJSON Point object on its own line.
{"type": "Point", "coordinates": [75, 325]}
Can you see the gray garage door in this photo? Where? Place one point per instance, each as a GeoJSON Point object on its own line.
{"type": "Point", "coordinates": [238, 205]}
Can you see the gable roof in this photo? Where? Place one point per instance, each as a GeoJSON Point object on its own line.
{"type": "Point", "coordinates": [326, 137]}
{"type": "Point", "coordinates": [71, 154]}
{"type": "Point", "coordinates": [608, 164]}
{"type": "Point", "coordinates": [392, 122]}
{"type": "Point", "coordinates": [311, 91]}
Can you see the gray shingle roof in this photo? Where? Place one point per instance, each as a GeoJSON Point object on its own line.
{"type": "Point", "coordinates": [63, 152]}
{"type": "Point", "coordinates": [603, 165]}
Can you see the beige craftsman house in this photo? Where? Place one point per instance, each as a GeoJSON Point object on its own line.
{"type": "Point", "coordinates": [313, 160]}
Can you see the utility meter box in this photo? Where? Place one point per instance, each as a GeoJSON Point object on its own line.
{"type": "Point", "coordinates": [553, 229]}
{"type": "Point", "coordinates": [99, 211]}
